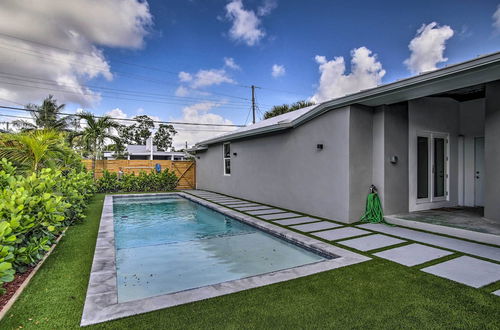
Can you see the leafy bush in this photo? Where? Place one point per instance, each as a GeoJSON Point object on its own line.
{"type": "Point", "coordinates": [35, 209]}
{"type": "Point", "coordinates": [144, 182]}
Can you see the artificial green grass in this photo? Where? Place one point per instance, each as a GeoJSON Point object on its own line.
{"type": "Point", "coordinates": [373, 294]}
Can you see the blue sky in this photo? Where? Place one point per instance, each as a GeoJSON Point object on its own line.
{"type": "Point", "coordinates": [199, 37]}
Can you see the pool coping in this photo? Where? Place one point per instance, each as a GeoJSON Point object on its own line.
{"type": "Point", "coordinates": [101, 301]}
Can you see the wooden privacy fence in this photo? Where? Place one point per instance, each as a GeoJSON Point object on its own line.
{"type": "Point", "coordinates": [183, 169]}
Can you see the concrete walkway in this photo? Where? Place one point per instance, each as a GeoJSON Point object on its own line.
{"type": "Point", "coordinates": [462, 261]}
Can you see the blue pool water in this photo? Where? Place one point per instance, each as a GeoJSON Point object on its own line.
{"type": "Point", "coordinates": [166, 244]}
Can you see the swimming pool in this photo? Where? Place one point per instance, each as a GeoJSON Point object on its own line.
{"type": "Point", "coordinates": [166, 244]}
{"type": "Point", "coordinates": [156, 251]}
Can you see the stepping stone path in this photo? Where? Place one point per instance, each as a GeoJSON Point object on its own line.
{"type": "Point", "coordinates": [467, 270]}
{"type": "Point", "coordinates": [371, 242]}
{"type": "Point", "coordinates": [413, 254]}
{"type": "Point", "coordinates": [335, 234]}
{"type": "Point", "coordinates": [294, 221]}
{"type": "Point", "coordinates": [315, 226]}
{"type": "Point", "coordinates": [279, 216]}
{"type": "Point", "coordinates": [480, 250]}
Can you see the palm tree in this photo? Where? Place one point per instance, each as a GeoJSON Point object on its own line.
{"type": "Point", "coordinates": [284, 108]}
{"type": "Point", "coordinates": [33, 150]}
{"type": "Point", "coordinates": [94, 135]}
{"type": "Point", "coordinates": [45, 116]}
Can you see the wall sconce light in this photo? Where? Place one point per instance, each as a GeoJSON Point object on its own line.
{"type": "Point", "coordinates": [235, 154]}
{"type": "Point", "coordinates": [319, 146]}
{"type": "Point", "coordinates": [394, 160]}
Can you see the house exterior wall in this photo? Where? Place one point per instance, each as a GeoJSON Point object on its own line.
{"type": "Point", "coordinates": [471, 120]}
{"type": "Point", "coordinates": [439, 115]}
{"type": "Point", "coordinates": [360, 159]}
{"type": "Point", "coordinates": [287, 170]}
{"type": "Point", "coordinates": [396, 181]}
{"type": "Point", "coordinates": [492, 152]}
{"type": "Point", "coordinates": [390, 138]}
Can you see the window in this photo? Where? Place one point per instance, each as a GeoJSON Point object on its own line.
{"type": "Point", "coordinates": [432, 167]}
{"type": "Point", "coordinates": [422, 167]}
{"type": "Point", "coordinates": [226, 154]}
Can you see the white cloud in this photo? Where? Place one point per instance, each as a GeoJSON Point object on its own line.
{"type": "Point", "coordinates": [496, 19]}
{"type": "Point", "coordinates": [267, 7]}
{"type": "Point", "coordinates": [427, 48]}
{"type": "Point", "coordinates": [230, 63]}
{"type": "Point", "coordinates": [185, 77]}
{"type": "Point", "coordinates": [278, 70]}
{"type": "Point", "coordinates": [199, 113]}
{"type": "Point", "coordinates": [246, 24]}
{"type": "Point", "coordinates": [366, 72]}
{"type": "Point", "coordinates": [181, 91]}
{"type": "Point", "coordinates": [79, 25]}
{"type": "Point", "coordinates": [205, 78]}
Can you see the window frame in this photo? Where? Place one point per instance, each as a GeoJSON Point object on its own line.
{"type": "Point", "coordinates": [224, 158]}
{"type": "Point", "coordinates": [431, 136]}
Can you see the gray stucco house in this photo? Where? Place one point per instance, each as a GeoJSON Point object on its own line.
{"type": "Point", "coordinates": [427, 142]}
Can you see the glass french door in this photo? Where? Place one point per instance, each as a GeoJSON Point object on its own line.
{"type": "Point", "coordinates": [432, 167]}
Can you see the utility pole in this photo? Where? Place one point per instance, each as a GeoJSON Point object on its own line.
{"type": "Point", "coordinates": [253, 103]}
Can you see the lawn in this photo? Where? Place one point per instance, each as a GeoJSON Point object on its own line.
{"type": "Point", "coordinates": [374, 294]}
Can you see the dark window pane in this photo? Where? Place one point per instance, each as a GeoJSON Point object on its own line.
{"type": "Point", "coordinates": [227, 166]}
{"type": "Point", "coordinates": [422, 167]}
{"type": "Point", "coordinates": [439, 167]}
{"type": "Point", "coordinates": [227, 150]}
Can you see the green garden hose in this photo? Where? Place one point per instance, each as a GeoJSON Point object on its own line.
{"type": "Point", "coordinates": [373, 210]}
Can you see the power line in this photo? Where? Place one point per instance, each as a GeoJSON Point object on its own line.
{"type": "Point", "coordinates": [124, 73]}
{"type": "Point", "coordinates": [127, 119]}
{"type": "Point", "coordinates": [86, 54]}
{"type": "Point", "coordinates": [177, 128]}
{"type": "Point", "coordinates": [49, 82]}
{"type": "Point", "coordinates": [90, 94]}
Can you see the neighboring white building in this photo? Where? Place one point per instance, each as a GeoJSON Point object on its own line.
{"type": "Point", "coordinates": [148, 152]}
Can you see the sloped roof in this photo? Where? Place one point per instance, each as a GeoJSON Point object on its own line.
{"type": "Point", "coordinates": [472, 72]}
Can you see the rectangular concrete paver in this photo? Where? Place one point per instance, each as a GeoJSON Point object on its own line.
{"type": "Point", "coordinates": [294, 221]}
{"type": "Point", "coordinates": [322, 225]}
{"type": "Point", "coordinates": [340, 233]}
{"type": "Point", "coordinates": [241, 205]}
{"type": "Point", "coordinates": [279, 216]}
{"type": "Point", "coordinates": [253, 208]}
{"type": "Point", "coordinates": [235, 203]}
{"type": "Point", "coordinates": [224, 200]}
{"type": "Point", "coordinates": [467, 270]}
{"type": "Point", "coordinates": [371, 242]}
{"type": "Point", "coordinates": [432, 239]}
{"type": "Point", "coordinates": [270, 211]}
{"type": "Point", "coordinates": [413, 254]}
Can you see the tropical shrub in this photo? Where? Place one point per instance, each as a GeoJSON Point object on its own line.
{"type": "Point", "coordinates": [35, 209]}
{"type": "Point", "coordinates": [144, 182]}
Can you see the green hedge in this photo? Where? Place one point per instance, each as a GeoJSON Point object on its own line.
{"type": "Point", "coordinates": [144, 182]}
{"type": "Point", "coordinates": [35, 209]}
